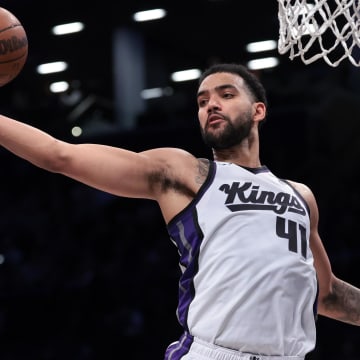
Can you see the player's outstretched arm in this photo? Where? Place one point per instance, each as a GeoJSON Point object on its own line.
{"type": "Point", "coordinates": [117, 171]}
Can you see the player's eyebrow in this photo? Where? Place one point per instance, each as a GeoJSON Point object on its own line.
{"type": "Point", "coordinates": [217, 88]}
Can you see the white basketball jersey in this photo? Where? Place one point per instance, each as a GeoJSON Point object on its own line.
{"type": "Point", "coordinates": [248, 282]}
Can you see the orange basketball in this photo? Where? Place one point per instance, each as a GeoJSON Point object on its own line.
{"type": "Point", "coordinates": [13, 46]}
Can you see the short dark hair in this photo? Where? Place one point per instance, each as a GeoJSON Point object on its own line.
{"type": "Point", "coordinates": [252, 82]}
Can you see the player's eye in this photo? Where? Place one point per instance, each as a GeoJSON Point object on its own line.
{"type": "Point", "coordinates": [202, 102]}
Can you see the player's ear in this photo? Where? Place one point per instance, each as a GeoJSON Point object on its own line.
{"type": "Point", "coordinates": [259, 111]}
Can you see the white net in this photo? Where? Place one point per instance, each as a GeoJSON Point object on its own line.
{"type": "Point", "coordinates": [320, 29]}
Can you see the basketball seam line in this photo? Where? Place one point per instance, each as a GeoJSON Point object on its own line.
{"type": "Point", "coordinates": [10, 27]}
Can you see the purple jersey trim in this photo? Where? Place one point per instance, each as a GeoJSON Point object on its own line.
{"type": "Point", "coordinates": [178, 349]}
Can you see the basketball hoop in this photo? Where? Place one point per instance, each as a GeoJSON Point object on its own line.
{"type": "Point", "coordinates": [327, 29]}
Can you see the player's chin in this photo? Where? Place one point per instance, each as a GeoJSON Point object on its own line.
{"type": "Point", "coordinates": [215, 126]}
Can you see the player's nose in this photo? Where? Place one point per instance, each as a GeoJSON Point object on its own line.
{"type": "Point", "coordinates": [213, 104]}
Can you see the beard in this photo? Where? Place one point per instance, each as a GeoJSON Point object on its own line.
{"type": "Point", "coordinates": [232, 134]}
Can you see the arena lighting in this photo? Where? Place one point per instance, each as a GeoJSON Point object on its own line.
{"type": "Point", "coordinates": [259, 46]}
{"type": "Point", "coordinates": [185, 75]}
{"type": "Point", "coordinates": [53, 67]}
{"type": "Point", "coordinates": [76, 131]}
{"type": "Point", "coordinates": [149, 15]}
{"type": "Point", "coordinates": [69, 28]}
{"type": "Point", "coordinates": [59, 86]}
{"type": "Point", "coordinates": [263, 63]}
{"type": "Point", "coordinates": [154, 93]}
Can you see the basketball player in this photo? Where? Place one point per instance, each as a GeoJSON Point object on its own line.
{"type": "Point", "coordinates": [255, 273]}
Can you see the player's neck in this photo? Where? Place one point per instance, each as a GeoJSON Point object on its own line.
{"type": "Point", "coordinates": [244, 154]}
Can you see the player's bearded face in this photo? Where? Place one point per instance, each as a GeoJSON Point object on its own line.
{"type": "Point", "coordinates": [232, 132]}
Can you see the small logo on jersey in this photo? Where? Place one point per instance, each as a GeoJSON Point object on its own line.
{"type": "Point", "coordinates": [247, 196]}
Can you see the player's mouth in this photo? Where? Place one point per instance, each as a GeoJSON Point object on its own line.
{"type": "Point", "coordinates": [214, 119]}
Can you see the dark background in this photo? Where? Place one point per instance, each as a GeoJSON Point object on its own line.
{"type": "Point", "coordinates": [86, 275]}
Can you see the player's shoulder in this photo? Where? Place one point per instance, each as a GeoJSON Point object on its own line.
{"type": "Point", "coordinates": [304, 190]}
{"type": "Point", "coordinates": [169, 152]}
{"type": "Point", "coordinates": [174, 156]}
